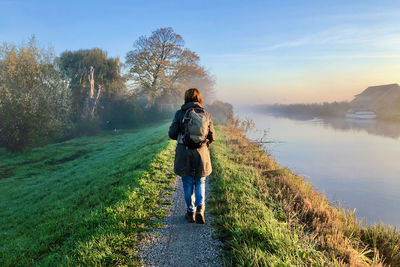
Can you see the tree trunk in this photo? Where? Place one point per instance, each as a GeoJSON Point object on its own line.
{"type": "Point", "coordinates": [91, 82]}
{"type": "Point", "coordinates": [92, 98]}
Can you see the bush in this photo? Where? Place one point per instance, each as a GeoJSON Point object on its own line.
{"type": "Point", "coordinates": [34, 99]}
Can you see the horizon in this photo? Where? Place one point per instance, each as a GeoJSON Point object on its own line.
{"type": "Point", "coordinates": [259, 53]}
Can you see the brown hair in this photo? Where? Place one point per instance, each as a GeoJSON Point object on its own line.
{"type": "Point", "coordinates": [193, 95]}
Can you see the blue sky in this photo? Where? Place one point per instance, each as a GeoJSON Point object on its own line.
{"type": "Point", "coordinates": [258, 51]}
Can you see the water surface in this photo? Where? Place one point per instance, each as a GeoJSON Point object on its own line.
{"type": "Point", "coordinates": [355, 163]}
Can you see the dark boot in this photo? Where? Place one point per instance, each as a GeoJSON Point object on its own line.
{"type": "Point", "coordinates": [189, 216]}
{"type": "Point", "coordinates": [200, 215]}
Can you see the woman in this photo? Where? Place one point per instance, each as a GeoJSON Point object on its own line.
{"type": "Point", "coordinates": [192, 163]}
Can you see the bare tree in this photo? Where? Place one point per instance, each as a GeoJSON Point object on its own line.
{"type": "Point", "coordinates": [189, 73]}
{"type": "Point", "coordinates": [160, 66]}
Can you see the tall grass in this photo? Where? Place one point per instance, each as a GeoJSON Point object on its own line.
{"type": "Point", "coordinates": [336, 235]}
{"type": "Point", "coordinates": [85, 201]}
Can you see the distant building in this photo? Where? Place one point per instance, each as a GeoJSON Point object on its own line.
{"type": "Point", "coordinates": [360, 113]}
{"type": "Point", "coordinates": [380, 99]}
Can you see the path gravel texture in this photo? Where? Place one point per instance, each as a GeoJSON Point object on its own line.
{"type": "Point", "coordinates": [180, 243]}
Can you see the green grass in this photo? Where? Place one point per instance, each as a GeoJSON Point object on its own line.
{"type": "Point", "coordinates": [248, 220]}
{"type": "Point", "coordinates": [85, 201]}
{"type": "Point", "coordinates": [269, 216]}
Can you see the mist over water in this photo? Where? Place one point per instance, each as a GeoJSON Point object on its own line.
{"type": "Point", "coordinates": [355, 163]}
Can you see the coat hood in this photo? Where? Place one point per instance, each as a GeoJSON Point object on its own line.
{"type": "Point", "coordinates": [190, 105]}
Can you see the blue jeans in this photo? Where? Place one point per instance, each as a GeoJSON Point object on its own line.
{"type": "Point", "coordinates": [194, 189]}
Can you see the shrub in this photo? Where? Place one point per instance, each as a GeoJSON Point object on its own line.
{"type": "Point", "coordinates": [34, 99]}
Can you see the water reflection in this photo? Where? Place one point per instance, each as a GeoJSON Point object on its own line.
{"type": "Point", "coordinates": [355, 163]}
{"type": "Point", "coordinates": [375, 127]}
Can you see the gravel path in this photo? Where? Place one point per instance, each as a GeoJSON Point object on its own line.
{"type": "Point", "coordinates": [180, 243]}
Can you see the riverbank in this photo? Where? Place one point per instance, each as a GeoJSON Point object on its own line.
{"type": "Point", "coordinates": [267, 215]}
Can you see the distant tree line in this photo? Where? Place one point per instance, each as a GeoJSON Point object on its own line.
{"type": "Point", "coordinates": [44, 98]}
{"type": "Point", "coordinates": [306, 111]}
{"type": "Point", "coordinates": [221, 112]}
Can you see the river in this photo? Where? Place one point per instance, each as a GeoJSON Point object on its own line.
{"type": "Point", "coordinates": [354, 163]}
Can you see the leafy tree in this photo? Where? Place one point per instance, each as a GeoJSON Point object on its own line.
{"type": "Point", "coordinates": [77, 65]}
{"type": "Point", "coordinates": [160, 68]}
{"type": "Point", "coordinates": [34, 98]}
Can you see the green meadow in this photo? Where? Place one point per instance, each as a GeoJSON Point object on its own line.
{"type": "Point", "coordinates": [85, 201]}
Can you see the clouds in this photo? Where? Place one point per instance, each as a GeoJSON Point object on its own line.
{"type": "Point", "coordinates": [341, 42]}
{"type": "Point", "coordinates": [355, 56]}
{"type": "Point", "coordinates": [370, 33]}
{"type": "Point", "coordinates": [290, 44]}
{"type": "Point", "coordinates": [343, 36]}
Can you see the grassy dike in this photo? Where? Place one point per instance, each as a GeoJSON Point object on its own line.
{"type": "Point", "coordinates": [86, 201]}
{"type": "Point", "coordinates": [268, 216]}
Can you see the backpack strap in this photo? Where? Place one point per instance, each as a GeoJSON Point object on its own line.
{"type": "Point", "coordinates": [190, 109]}
{"type": "Point", "coordinates": [186, 115]}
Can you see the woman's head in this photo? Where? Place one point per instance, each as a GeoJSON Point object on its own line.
{"type": "Point", "coordinates": [193, 95]}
